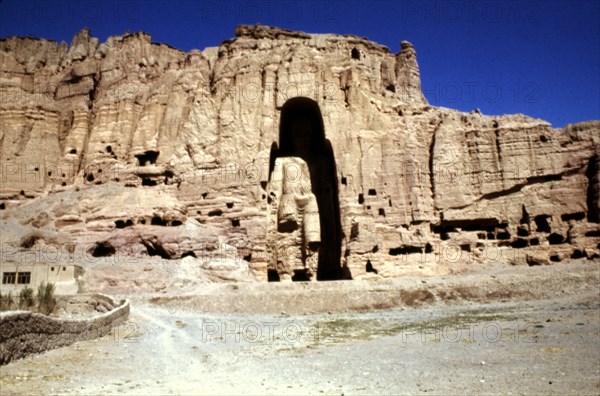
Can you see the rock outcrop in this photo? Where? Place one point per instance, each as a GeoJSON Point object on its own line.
{"type": "Point", "coordinates": [133, 143]}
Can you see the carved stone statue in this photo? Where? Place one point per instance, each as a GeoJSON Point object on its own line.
{"type": "Point", "coordinates": [294, 227]}
{"type": "Point", "coordinates": [304, 231]}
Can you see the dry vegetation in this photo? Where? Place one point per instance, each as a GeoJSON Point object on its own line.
{"type": "Point", "coordinates": [43, 302]}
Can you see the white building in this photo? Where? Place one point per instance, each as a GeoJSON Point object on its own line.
{"type": "Point", "coordinates": [16, 276]}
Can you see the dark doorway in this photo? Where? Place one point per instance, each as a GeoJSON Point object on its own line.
{"type": "Point", "coordinates": [301, 134]}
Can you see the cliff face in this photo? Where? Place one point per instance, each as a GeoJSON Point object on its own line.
{"type": "Point", "coordinates": [135, 145]}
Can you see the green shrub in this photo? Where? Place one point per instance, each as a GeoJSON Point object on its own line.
{"type": "Point", "coordinates": [46, 299]}
{"type": "Point", "coordinates": [26, 299]}
{"type": "Point", "coordinates": [8, 302]}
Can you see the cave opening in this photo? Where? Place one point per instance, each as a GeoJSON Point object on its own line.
{"type": "Point", "coordinates": [525, 219]}
{"type": "Point", "coordinates": [300, 276]}
{"type": "Point", "coordinates": [405, 250]}
{"type": "Point", "coordinates": [503, 236]}
{"type": "Point", "coordinates": [302, 134]}
{"type": "Point", "coordinates": [354, 231]}
{"type": "Point", "coordinates": [123, 223]}
{"type": "Point", "coordinates": [556, 239]}
{"type": "Point", "coordinates": [428, 248]}
{"type": "Point", "coordinates": [158, 221]}
{"type": "Point", "coordinates": [541, 222]}
{"type": "Point", "coordinates": [519, 243]}
{"type": "Point", "coordinates": [522, 232]}
{"type": "Point", "coordinates": [573, 216]}
{"type": "Point", "coordinates": [369, 267]}
{"type": "Point", "coordinates": [189, 253]}
{"type": "Point", "coordinates": [149, 156]}
{"type": "Point", "coordinates": [156, 249]}
{"type": "Point", "coordinates": [29, 241]}
{"type": "Point", "coordinates": [103, 249]}
{"type": "Point", "coordinates": [272, 275]}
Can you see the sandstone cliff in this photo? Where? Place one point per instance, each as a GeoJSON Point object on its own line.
{"type": "Point", "coordinates": [133, 146]}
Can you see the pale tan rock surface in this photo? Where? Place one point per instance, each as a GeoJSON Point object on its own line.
{"type": "Point", "coordinates": [135, 147]}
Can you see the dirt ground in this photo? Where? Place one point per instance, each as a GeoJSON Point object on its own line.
{"type": "Point", "coordinates": [505, 330]}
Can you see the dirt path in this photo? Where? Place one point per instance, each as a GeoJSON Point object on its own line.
{"type": "Point", "coordinates": [541, 346]}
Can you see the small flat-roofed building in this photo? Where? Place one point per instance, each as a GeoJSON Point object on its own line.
{"type": "Point", "coordinates": [16, 276]}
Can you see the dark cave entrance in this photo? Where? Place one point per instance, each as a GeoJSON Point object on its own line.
{"type": "Point", "coordinates": [302, 134]}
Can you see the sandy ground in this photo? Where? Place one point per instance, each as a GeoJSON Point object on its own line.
{"type": "Point", "coordinates": [546, 341]}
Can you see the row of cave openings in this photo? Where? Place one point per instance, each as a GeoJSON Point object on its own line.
{"type": "Point", "coordinates": [490, 229]}
{"type": "Point", "coordinates": [370, 192]}
{"type": "Point", "coordinates": [154, 220]}
{"type": "Point", "coordinates": [148, 157]}
{"type": "Point", "coordinates": [216, 212]}
{"type": "Point", "coordinates": [152, 249]}
{"type": "Point", "coordinates": [89, 176]}
{"type": "Point", "coordinates": [159, 221]}
{"type": "Point", "coordinates": [22, 193]}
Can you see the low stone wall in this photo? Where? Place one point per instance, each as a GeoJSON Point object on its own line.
{"type": "Point", "coordinates": [23, 333]}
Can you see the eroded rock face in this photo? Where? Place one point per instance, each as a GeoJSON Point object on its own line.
{"type": "Point", "coordinates": [155, 140]}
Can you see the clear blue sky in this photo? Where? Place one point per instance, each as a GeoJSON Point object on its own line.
{"type": "Point", "coordinates": [540, 58]}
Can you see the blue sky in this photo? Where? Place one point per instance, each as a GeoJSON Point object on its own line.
{"type": "Point", "coordinates": [540, 58]}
